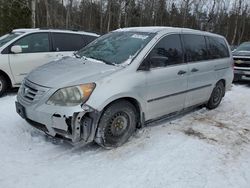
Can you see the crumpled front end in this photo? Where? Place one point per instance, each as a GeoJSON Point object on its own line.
{"type": "Point", "coordinates": [74, 124]}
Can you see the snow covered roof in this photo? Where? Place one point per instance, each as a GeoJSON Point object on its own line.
{"type": "Point", "coordinates": [151, 29]}
{"type": "Point", "coordinates": [156, 29]}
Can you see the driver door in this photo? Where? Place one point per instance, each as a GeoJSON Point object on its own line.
{"type": "Point", "coordinates": [166, 81]}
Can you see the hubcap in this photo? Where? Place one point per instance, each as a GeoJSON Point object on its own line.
{"type": "Point", "coordinates": [217, 94]}
{"type": "Point", "coordinates": [118, 124]}
{"type": "Point", "coordinates": [1, 85]}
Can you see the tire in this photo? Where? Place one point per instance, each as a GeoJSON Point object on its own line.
{"type": "Point", "coordinates": [237, 78]}
{"type": "Point", "coordinates": [116, 125]}
{"type": "Point", "coordinates": [3, 85]}
{"type": "Point", "coordinates": [216, 96]}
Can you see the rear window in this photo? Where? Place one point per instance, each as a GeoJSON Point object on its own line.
{"type": "Point", "coordinates": [195, 47]}
{"type": "Point", "coordinates": [217, 48]}
{"type": "Point", "coordinates": [70, 42]}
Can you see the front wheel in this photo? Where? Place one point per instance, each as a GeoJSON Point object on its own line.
{"type": "Point", "coordinates": [216, 96]}
{"type": "Point", "coordinates": [117, 124]}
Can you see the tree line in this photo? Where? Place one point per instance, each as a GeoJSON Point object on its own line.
{"type": "Point", "coordinates": [230, 18]}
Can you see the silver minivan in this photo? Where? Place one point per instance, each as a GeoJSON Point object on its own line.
{"type": "Point", "coordinates": [124, 80]}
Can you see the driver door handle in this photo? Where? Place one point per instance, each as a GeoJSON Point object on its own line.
{"type": "Point", "coordinates": [194, 70]}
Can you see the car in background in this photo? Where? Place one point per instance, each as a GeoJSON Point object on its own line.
{"type": "Point", "coordinates": [23, 50]}
{"type": "Point", "coordinates": [124, 80]}
{"type": "Point", "coordinates": [241, 57]}
{"type": "Point", "coordinates": [233, 47]}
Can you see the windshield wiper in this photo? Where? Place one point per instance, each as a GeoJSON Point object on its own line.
{"type": "Point", "coordinates": [76, 55]}
{"type": "Point", "coordinates": [104, 61]}
{"type": "Point", "coordinates": [79, 57]}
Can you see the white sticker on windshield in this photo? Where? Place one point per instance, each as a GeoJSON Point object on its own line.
{"type": "Point", "coordinates": [137, 36]}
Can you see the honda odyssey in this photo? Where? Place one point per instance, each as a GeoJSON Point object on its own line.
{"type": "Point", "coordinates": [124, 80]}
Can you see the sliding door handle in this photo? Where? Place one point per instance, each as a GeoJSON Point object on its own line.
{"type": "Point", "coordinates": [181, 72]}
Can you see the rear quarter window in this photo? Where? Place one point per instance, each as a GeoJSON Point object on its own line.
{"type": "Point", "coordinates": [217, 48]}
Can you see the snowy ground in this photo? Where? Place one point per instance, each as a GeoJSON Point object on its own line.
{"type": "Point", "coordinates": [200, 149]}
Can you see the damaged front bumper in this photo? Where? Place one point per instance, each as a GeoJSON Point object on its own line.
{"type": "Point", "coordinates": [76, 125]}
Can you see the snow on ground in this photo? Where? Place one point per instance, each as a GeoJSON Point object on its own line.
{"type": "Point", "coordinates": [200, 149]}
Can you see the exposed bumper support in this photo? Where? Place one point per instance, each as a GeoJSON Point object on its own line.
{"type": "Point", "coordinates": [78, 128]}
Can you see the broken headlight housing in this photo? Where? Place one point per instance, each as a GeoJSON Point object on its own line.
{"type": "Point", "coordinates": [71, 96]}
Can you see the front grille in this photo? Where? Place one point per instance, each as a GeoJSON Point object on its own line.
{"type": "Point", "coordinates": [30, 92]}
{"type": "Point", "coordinates": [242, 62]}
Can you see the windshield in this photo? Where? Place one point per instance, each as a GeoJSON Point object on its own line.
{"type": "Point", "coordinates": [244, 47]}
{"type": "Point", "coordinates": [6, 38]}
{"type": "Point", "coordinates": [116, 47]}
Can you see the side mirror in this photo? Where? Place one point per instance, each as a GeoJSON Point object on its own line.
{"type": "Point", "coordinates": [16, 49]}
{"type": "Point", "coordinates": [159, 61]}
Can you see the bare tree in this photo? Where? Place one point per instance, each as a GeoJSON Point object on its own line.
{"type": "Point", "coordinates": [68, 14]}
{"type": "Point", "coordinates": [238, 9]}
{"type": "Point", "coordinates": [48, 19]}
{"type": "Point", "coordinates": [33, 11]}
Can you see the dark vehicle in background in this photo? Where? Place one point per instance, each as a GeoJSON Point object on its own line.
{"type": "Point", "coordinates": [241, 57]}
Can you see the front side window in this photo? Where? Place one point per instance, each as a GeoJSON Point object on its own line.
{"type": "Point", "coordinates": [117, 47]}
{"type": "Point", "coordinates": [195, 47]}
{"type": "Point", "coordinates": [34, 43]}
{"type": "Point", "coordinates": [168, 51]}
{"type": "Point", "coordinates": [217, 48]}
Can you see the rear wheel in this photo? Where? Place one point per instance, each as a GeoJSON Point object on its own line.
{"type": "Point", "coordinates": [216, 96]}
{"type": "Point", "coordinates": [3, 85]}
{"type": "Point", "coordinates": [117, 124]}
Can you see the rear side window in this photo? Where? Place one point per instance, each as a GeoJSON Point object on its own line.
{"type": "Point", "coordinates": [217, 48]}
{"type": "Point", "coordinates": [88, 39]}
{"type": "Point", "coordinates": [168, 51]}
{"type": "Point", "coordinates": [68, 42]}
{"type": "Point", "coordinates": [195, 47]}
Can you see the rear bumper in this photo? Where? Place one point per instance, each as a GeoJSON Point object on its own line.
{"type": "Point", "coordinates": [75, 125]}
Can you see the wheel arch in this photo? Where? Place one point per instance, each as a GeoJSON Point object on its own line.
{"type": "Point", "coordinates": [5, 75]}
{"type": "Point", "coordinates": [135, 103]}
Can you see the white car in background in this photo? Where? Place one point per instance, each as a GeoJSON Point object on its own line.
{"type": "Point", "coordinates": [23, 50]}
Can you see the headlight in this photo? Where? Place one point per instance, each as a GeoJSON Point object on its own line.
{"type": "Point", "coordinates": [72, 96]}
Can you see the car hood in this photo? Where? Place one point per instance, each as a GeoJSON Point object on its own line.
{"type": "Point", "coordinates": [241, 53]}
{"type": "Point", "coordinates": [70, 71]}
